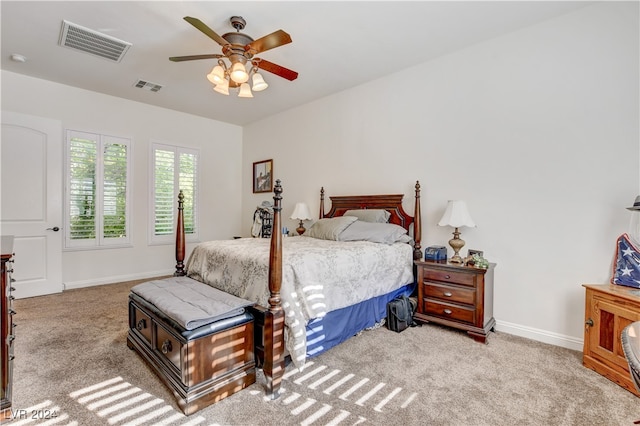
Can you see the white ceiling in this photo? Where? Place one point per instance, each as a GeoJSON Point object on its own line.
{"type": "Point", "coordinates": [336, 45]}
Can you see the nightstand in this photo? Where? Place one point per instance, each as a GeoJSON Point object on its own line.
{"type": "Point", "coordinates": [456, 296]}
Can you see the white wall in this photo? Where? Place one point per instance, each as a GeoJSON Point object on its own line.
{"type": "Point", "coordinates": [220, 147]}
{"type": "Point", "coordinates": [537, 130]}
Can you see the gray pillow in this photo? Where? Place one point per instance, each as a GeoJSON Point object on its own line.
{"type": "Point", "coordinates": [330, 228]}
{"type": "Point", "coordinates": [387, 233]}
{"type": "Point", "coordinates": [370, 215]}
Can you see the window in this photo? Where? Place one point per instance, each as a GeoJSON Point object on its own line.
{"type": "Point", "coordinates": [174, 169]}
{"type": "Point", "coordinates": [97, 190]}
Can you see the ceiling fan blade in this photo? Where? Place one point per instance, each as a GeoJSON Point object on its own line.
{"type": "Point", "coordinates": [194, 57]}
{"type": "Point", "coordinates": [275, 39]}
{"type": "Point", "coordinates": [276, 69]}
{"type": "Point", "coordinates": [206, 30]}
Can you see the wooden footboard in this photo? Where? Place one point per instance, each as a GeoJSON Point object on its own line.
{"type": "Point", "coordinates": [269, 321]}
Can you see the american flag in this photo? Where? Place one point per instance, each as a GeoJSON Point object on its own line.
{"type": "Point", "coordinates": [627, 266]}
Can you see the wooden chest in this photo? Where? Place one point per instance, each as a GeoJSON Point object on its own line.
{"type": "Point", "coordinates": [609, 309]}
{"type": "Point", "coordinates": [200, 366]}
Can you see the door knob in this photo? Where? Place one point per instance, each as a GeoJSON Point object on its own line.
{"type": "Point", "coordinates": [54, 229]}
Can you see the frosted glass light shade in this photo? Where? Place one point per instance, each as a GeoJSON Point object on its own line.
{"type": "Point", "coordinates": [222, 87]}
{"type": "Point", "coordinates": [238, 73]}
{"type": "Point", "coordinates": [301, 212]}
{"type": "Point", "coordinates": [216, 76]}
{"type": "Point", "coordinates": [456, 215]}
{"type": "Point", "coordinates": [258, 83]}
{"type": "Point", "coordinates": [245, 91]}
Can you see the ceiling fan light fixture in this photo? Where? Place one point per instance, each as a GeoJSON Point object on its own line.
{"type": "Point", "coordinates": [239, 73]}
{"type": "Point", "coordinates": [216, 76]}
{"type": "Point", "coordinates": [258, 83]}
{"type": "Point", "coordinates": [245, 91]}
{"type": "Point", "coordinates": [222, 88]}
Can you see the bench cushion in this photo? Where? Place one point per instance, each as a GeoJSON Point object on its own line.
{"type": "Point", "coordinates": [190, 303]}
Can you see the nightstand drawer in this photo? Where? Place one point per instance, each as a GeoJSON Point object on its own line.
{"type": "Point", "coordinates": [443, 310]}
{"type": "Point", "coordinates": [462, 278]}
{"type": "Point", "coordinates": [450, 293]}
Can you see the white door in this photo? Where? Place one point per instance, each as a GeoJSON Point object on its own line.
{"type": "Point", "coordinates": [31, 201]}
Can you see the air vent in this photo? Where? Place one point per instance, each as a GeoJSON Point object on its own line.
{"type": "Point", "coordinates": [92, 42]}
{"type": "Point", "coordinates": [147, 85]}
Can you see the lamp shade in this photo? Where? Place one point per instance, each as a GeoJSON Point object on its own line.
{"type": "Point", "coordinates": [239, 73]}
{"type": "Point", "coordinates": [301, 212]}
{"type": "Point", "coordinates": [222, 87]}
{"type": "Point", "coordinates": [258, 83]}
{"type": "Point", "coordinates": [245, 91]}
{"type": "Point", "coordinates": [216, 76]}
{"type": "Point", "coordinates": [456, 215]}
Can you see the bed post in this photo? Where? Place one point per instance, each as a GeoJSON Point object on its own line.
{"type": "Point", "coordinates": [274, 318]}
{"type": "Point", "coordinates": [417, 225]}
{"type": "Point", "coordinates": [180, 238]}
{"type": "Point", "coordinates": [321, 215]}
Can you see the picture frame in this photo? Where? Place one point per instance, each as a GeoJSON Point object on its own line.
{"type": "Point", "coordinates": [263, 176]}
{"type": "Point", "coordinates": [471, 252]}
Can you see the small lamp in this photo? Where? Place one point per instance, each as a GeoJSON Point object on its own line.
{"type": "Point", "coordinates": [301, 212]}
{"type": "Point", "coordinates": [457, 216]}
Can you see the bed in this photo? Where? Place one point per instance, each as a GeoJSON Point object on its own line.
{"type": "Point", "coordinates": [304, 310]}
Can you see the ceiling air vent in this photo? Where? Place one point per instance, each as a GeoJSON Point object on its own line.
{"type": "Point", "coordinates": [147, 85]}
{"type": "Point", "coordinates": [92, 42]}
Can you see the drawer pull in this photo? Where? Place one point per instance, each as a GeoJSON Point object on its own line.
{"type": "Point", "coordinates": [448, 293]}
{"type": "Point", "coordinates": [447, 277]}
{"type": "Point", "coordinates": [12, 312]}
{"type": "Point", "coordinates": [12, 357]}
{"type": "Point", "coordinates": [166, 346]}
{"type": "Point", "coordinates": [141, 325]}
{"type": "Point", "coordinates": [11, 338]}
{"type": "Point", "coordinates": [448, 311]}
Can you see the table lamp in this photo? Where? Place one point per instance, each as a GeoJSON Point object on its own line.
{"type": "Point", "coordinates": [457, 216]}
{"type": "Point", "coordinates": [301, 212]}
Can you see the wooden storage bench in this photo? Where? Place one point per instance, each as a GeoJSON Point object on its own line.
{"type": "Point", "coordinates": [201, 365]}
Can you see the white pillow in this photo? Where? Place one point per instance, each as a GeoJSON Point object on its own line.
{"type": "Point", "coordinates": [370, 215]}
{"type": "Point", "coordinates": [330, 228]}
{"type": "Point", "coordinates": [387, 233]}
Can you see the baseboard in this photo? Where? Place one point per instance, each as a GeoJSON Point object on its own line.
{"type": "Point", "coordinates": [117, 279]}
{"type": "Point", "coordinates": [544, 336]}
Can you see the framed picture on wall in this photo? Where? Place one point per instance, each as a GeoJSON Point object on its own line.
{"type": "Point", "coordinates": [263, 176]}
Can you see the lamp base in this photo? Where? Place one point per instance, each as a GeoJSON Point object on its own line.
{"type": "Point", "coordinates": [456, 244]}
{"type": "Point", "coordinates": [300, 229]}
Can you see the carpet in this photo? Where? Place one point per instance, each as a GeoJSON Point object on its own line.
{"type": "Point", "coordinates": [73, 367]}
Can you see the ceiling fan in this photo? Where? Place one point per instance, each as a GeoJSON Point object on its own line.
{"type": "Point", "coordinates": [240, 49]}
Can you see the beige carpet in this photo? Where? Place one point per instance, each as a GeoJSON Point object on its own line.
{"type": "Point", "coordinates": [72, 361]}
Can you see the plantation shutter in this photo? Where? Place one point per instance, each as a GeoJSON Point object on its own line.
{"type": "Point", "coordinates": [114, 190]}
{"type": "Point", "coordinates": [82, 155]}
{"type": "Point", "coordinates": [174, 169]}
{"type": "Point", "coordinates": [164, 191]}
{"type": "Point", "coordinates": [97, 190]}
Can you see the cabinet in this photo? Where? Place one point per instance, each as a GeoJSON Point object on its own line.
{"type": "Point", "coordinates": [6, 355]}
{"type": "Point", "coordinates": [609, 309]}
{"type": "Point", "coordinates": [456, 296]}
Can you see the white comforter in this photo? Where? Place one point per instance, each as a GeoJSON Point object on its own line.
{"type": "Point", "coordinates": [318, 276]}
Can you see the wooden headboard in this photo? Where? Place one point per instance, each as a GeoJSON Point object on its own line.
{"type": "Point", "coordinates": [390, 202]}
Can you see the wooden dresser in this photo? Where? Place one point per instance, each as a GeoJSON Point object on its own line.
{"type": "Point", "coordinates": [456, 296]}
{"type": "Point", "coordinates": [609, 309]}
{"type": "Point", "coordinates": [6, 351]}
